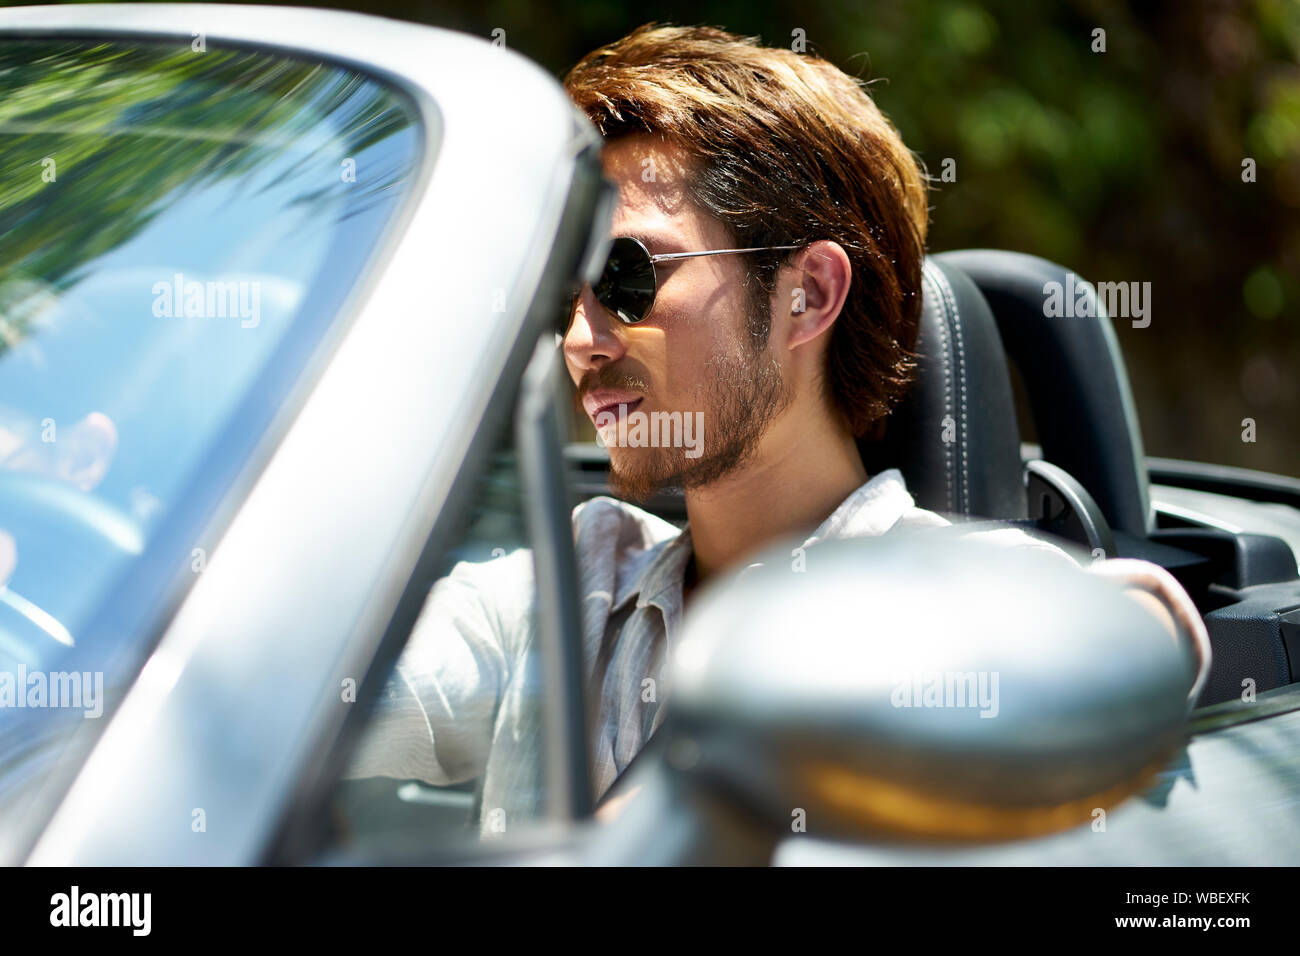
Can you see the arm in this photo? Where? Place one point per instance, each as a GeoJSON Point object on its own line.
{"type": "Point", "coordinates": [1148, 584]}
{"type": "Point", "coordinates": [1160, 593]}
{"type": "Point", "coordinates": [435, 720]}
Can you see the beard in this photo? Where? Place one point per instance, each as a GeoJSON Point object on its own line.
{"type": "Point", "coordinates": [744, 393]}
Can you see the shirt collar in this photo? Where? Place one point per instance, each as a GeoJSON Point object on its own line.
{"type": "Point", "coordinates": [660, 568]}
{"type": "Point", "coordinates": [872, 509]}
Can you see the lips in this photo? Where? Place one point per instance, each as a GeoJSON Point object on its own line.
{"type": "Point", "coordinates": [602, 401]}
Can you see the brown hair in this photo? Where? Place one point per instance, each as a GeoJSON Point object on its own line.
{"type": "Point", "coordinates": [788, 149]}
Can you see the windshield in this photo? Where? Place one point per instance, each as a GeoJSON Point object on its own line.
{"type": "Point", "coordinates": [179, 229]}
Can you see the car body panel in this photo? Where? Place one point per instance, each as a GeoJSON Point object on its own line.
{"type": "Point", "coordinates": [1231, 798]}
{"type": "Point", "coordinates": [1213, 510]}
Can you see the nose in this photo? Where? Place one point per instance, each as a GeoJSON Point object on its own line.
{"type": "Point", "coordinates": [594, 337]}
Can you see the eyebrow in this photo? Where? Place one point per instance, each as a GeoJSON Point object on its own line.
{"type": "Point", "coordinates": [655, 243]}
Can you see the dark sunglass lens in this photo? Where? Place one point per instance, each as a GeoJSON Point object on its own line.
{"type": "Point", "coordinates": [627, 285]}
{"type": "Point", "coordinates": [565, 318]}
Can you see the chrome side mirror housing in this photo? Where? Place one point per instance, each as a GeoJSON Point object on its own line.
{"type": "Point", "coordinates": [924, 688]}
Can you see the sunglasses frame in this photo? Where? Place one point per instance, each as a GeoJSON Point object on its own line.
{"type": "Point", "coordinates": [654, 260]}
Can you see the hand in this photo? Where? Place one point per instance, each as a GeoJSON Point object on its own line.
{"type": "Point", "coordinates": [1159, 591]}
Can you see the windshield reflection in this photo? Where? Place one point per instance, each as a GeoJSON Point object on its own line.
{"type": "Point", "coordinates": [178, 229]}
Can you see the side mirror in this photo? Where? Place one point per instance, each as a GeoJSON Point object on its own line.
{"type": "Point", "coordinates": [924, 687]}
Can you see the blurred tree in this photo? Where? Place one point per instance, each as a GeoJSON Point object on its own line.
{"type": "Point", "coordinates": [99, 139]}
{"type": "Point", "coordinates": [1125, 165]}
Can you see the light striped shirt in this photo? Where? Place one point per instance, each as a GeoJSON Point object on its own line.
{"type": "Point", "coordinates": [465, 696]}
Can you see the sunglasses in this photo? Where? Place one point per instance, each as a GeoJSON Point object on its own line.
{"type": "Point", "coordinates": [629, 281]}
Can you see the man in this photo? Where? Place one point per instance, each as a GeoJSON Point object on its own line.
{"type": "Point", "coordinates": [784, 326]}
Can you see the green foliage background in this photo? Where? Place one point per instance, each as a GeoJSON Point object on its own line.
{"type": "Point", "coordinates": [1124, 165]}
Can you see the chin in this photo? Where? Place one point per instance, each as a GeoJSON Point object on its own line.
{"type": "Point", "coordinates": [636, 474]}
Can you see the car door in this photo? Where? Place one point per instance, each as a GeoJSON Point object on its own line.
{"type": "Point", "coordinates": [331, 474]}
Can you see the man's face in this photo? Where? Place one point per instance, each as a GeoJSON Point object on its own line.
{"type": "Point", "coordinates": [694, 353]}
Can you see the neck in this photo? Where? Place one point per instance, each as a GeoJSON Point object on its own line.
{"type": "Point", "coordinates": [802, 471]}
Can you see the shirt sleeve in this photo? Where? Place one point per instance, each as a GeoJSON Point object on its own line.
{"type": "Point", "coordinates": [1139, 574]}
{"type": "Point", "coordinates": [434, 722]}
{"type": "Point", "coordinates": [1016, 538]}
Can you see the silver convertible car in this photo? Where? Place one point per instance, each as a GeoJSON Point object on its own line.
{"type": "Point", "coordinates": [278, 299]}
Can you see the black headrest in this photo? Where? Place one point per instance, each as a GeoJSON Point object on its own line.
{"type": "Point", "coordinates": [954, 436]}
{"type": "Point", "coordinates": [1074, 375]}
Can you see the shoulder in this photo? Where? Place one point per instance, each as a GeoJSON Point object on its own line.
{"type": "Point", "coordinates": [499, 590]}
{"type": "Point", "coordinates": [1018, 538]}
{"type": "Point", "coordinates": [619, 525]}
{"type": "Point", "coordinates": [915, 518]}
{"type": "Point", "coordinates": [606, 532]}
{"type": "Point", "coordinates": [1004, 537]}
{"type": "Point", "coordinates": [617, 544]}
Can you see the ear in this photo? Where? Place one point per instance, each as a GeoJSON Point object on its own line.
{"type": "Point", "coordinates": [814, 293]}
